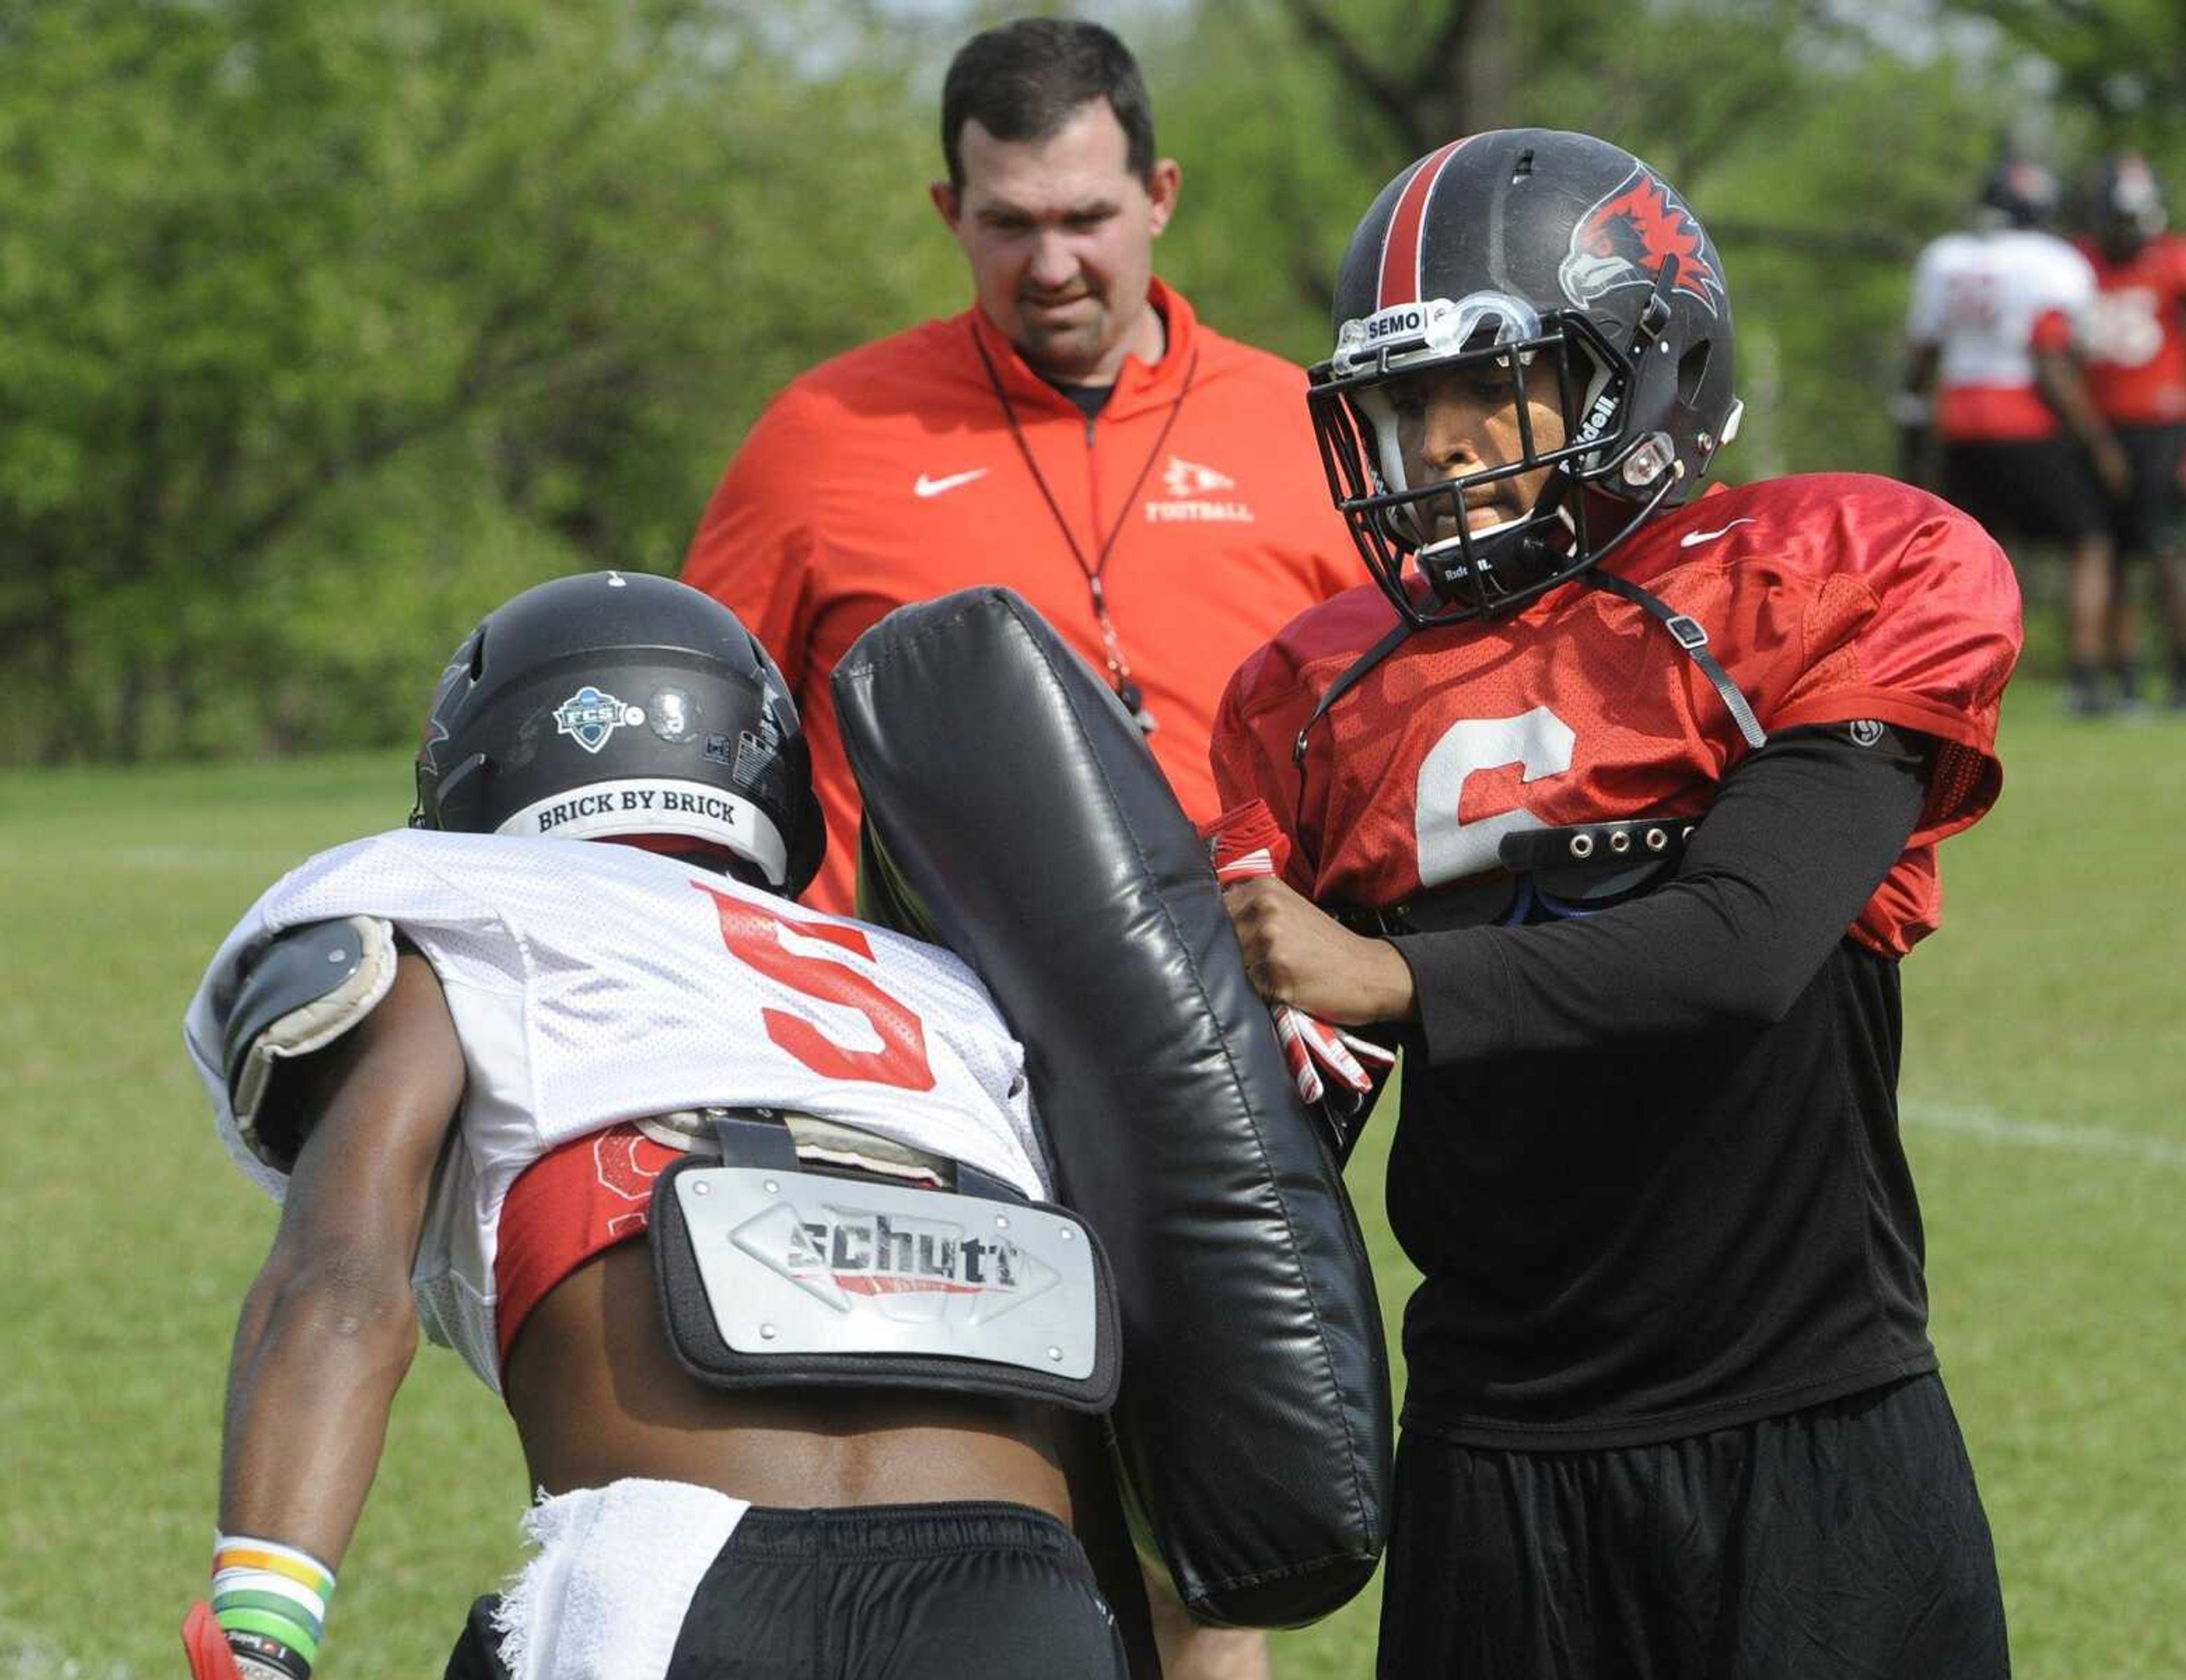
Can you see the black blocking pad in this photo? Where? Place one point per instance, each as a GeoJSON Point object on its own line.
{"type": "Point", "coordinates": [1012, 804]}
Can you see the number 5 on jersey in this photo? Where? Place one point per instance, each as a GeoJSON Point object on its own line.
{"type": "Point", "coordinates": [756, 937]}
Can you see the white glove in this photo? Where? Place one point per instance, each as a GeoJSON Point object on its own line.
{"type": "Point", "coordinates": [1246, 841]}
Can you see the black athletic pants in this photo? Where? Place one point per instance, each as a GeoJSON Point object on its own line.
{"type": "Point", "coordinates": [1846, 1540]}
{"type": "Point", "coordinates": [881, 1593]}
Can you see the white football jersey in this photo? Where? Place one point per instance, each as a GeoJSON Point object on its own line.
{"type": "Point", "coordinates": [1977, 296]}
{"type": "Point", "coordinates": [591, 984]}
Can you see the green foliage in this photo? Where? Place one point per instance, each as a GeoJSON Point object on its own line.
{"type": "Point", "coordinates": [322, 327]}
{"type": "Point", "coordinates": [2043, 1094]}
{"type": "Point", "coordinates": [379, 310]}
{"type": "Point", "coordinates": [1821, 158]}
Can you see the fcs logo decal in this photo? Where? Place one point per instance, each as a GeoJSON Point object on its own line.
{"type": "Point", "coordinates": [1622, 240]}
{"type": "Point", "coordinates": [590, 716]}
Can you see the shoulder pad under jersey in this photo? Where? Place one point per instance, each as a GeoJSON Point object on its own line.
{"type": "Point", "coordinates": [301, 990]}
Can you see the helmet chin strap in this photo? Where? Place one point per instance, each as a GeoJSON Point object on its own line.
{"type": "Point", "coordinates": [1525, 554]}
{"type": "Point", "coordinates": [1692, 635]}
{"type": "Point", "coordinates": [1687, 632]}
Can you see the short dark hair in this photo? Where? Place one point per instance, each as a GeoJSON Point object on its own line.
{"type": "Point", "coordinates": [1024, 81]}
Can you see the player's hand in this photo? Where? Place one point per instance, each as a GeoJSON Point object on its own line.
{"type": "Point", "coordinates": [1245, 843]}
{"type": "Point", "coordinates": [1299, 955]}
{"type": "Point", "coordinates": [212, 1658]}
{"type": "Point", "coordinates": [1327, 1061]}
{"type": "Point", "coordinates": [207, 1646]}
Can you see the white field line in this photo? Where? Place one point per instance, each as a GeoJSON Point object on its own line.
{"type": "Point", "coordinates": [1985, 1123]}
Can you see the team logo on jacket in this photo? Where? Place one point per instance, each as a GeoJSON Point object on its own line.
{"type": "Point", "coordinates": [897, 1266]}
{"type": "Point", "coordinates": [1623, 239]}
{"type": "Point", "coordinates": [1196, 494]}
{"type": "Point", "coordinates": [590, 717]}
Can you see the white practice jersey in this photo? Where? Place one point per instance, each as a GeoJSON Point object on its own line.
{"type": "Point", "coordinates": [1977, 297]}
{"type": "Point", "coordinates": [591, 984]}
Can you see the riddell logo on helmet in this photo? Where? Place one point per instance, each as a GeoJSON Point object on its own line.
{"type": "Point", "coordinates": [1624, 239]}
{"type": "Point", "coordinates": [1598, 418]}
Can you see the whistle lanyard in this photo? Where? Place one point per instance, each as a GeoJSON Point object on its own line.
{"type": "Point", "coordinates": [1119, 665]}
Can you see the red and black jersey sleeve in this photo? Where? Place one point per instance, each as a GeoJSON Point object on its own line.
{"type": "Point", "coordinates": [1914, 621]}
{"type": "Point", "coordinates": [1268, 700]}
{"type": "Point", "coordinates": [1829, 599]}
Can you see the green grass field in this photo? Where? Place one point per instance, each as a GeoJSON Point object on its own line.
{"type": "Point", "coordinates": [2045, 1098]}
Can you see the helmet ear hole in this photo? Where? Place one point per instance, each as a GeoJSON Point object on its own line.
{"type": "Point", "coordinates": [1692, 371]}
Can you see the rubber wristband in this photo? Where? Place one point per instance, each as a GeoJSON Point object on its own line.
{"type": "Point", "coordinates": [270, 1600]}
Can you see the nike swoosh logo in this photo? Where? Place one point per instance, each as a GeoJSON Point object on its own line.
{"type": "Point", "coordinates": [927, 486]}
{"type": "Point", "coordinates": [1694, 539]}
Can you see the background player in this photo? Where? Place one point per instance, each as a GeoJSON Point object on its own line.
{"type": "Point", "coordinates": [460, 1130]}
{"type": "Point", "coordinates": [1630, 798]}
{"type": "Point", "coordinates": [1992, 324]}
{"type": "Point", "coordinates": [2136, 351]}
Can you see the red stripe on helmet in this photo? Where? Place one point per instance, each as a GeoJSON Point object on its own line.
{"type": "Point", "coordinates": [1400, 245]}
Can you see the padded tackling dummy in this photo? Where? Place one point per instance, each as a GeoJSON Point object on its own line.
{"type": "Point", "coordinates": [1014, 811]}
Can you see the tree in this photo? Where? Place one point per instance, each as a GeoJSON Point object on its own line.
{"type": "Point", "coordinates": [321, 327]}
{"type": "Point", "coordinates": [1821, 154]}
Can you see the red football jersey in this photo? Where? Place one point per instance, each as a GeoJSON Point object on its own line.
{"type": "Point", "coordinates": [1828, 599]}
{"type": "Point", "coordinates": [2136, 340]}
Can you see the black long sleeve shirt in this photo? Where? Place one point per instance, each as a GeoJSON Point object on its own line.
{"type": "Point", "coordinates": [1648, 1159]}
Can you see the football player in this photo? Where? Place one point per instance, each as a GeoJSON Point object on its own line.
{"type": "Point", "coordinates": [1995, 313]}
{"type": "Point", "coordinates": [2136, 346]}
{"type": "Point", "coordinates": [1619, 805]}
{"type": "Point", "coordinates": [472, 1065]}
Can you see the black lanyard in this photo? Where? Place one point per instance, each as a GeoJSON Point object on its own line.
{"type": "Point", "coordinates": [1119, 666]}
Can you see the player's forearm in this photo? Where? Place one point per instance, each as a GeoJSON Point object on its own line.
{"type": "Point", "coordinates": [319, 1354]}
{"type": "Point", "coordinates": [2058, 379]}
{"type": "Point", "coordinates": [1799, 838]}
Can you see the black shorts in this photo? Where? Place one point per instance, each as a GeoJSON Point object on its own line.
{"type": "Point", "coordinates": [2043, 489]}
{"type": "Point", "coordinates": [2152, 518]}
{"type": "Point", "coordinates": [934, 1592]}
{"type": "Point", "coordinates": [1844, 1540]}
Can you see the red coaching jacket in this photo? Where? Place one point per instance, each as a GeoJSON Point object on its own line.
{"type": "Point", "coordinates": [895, 473]}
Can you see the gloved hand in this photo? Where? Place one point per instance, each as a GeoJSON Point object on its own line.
{"type": "Point", "coordinates": [1324, 1061]}
{"type": "Point", "coordinates": [212, 1658]}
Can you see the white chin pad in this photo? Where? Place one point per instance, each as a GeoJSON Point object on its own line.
{"type": "Point", "coordinates": [1374, 407]}
{"type": "Point", "coordinates": [1499, 527]}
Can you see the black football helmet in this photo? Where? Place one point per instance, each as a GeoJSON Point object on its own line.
{"type": "Point", "coordinates": [2020, 193]}
{"type": "Point", "coordinates": [2124, 206]}
{"type": "Point", "coordinates": [619, 705]}
{"type": "Point", "coordinates": [1489, 258]}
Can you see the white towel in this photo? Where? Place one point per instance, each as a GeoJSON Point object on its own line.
{"type": "Point", "coordinates": [606, 1595]}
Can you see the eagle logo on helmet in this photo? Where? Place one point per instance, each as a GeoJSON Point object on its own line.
{"type": "Point", "coordinates": [1623, 239]}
